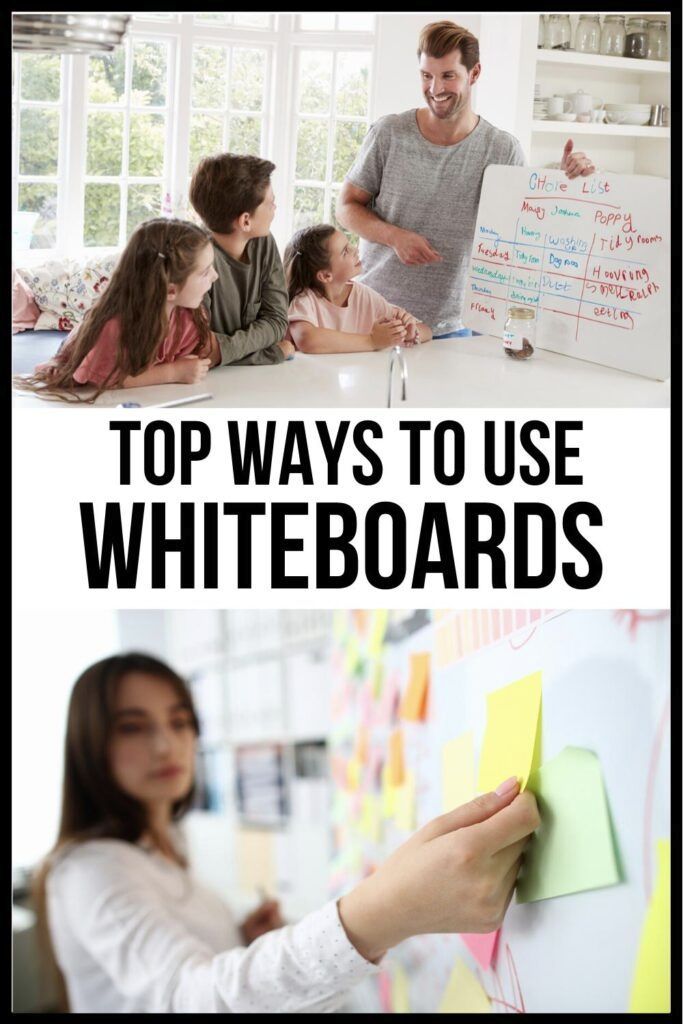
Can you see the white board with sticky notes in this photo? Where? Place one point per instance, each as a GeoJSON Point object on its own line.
{"type": "Point", "coordinates": [587, 699]}
{"type": "Point", "coordinates": [591, 256]}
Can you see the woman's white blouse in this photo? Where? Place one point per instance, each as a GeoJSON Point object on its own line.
{"type": "Point", "coordinates": [133, 932]}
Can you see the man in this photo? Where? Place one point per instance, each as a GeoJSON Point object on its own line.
{"type": "Point", "coordinates": [413, 191]}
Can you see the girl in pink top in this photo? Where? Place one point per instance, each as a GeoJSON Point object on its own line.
{"type": "Point", "coordinates": [328, 311]}
{"type": "Point", "coordinates": [149, 326]}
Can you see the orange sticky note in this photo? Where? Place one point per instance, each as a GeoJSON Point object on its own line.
{"type": "Point", "coordinates": [361, 751]}
{"type": "Point", "coordinates": [395, 763]}
{"type": "Point", "coordinates": [414, 703]}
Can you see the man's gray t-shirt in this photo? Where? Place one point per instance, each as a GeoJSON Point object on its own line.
{"type": "Point", "coordinates": [433, 190]}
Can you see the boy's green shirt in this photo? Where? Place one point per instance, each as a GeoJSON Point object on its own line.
{"type": "Point", "coordinates": [248, 304]}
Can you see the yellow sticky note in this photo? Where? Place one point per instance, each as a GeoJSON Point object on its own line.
{"type": "Point", "coordinates": [255, 858]}
{"type": "Point", "coordinates": [353, 772]}
{"type": "Point", "coordinates": [512, 739]}
{"type": "Point", "coordinates": [445, 650]}
{"type": "Point", "coordinates": [404, 804]}
{"type": "Point", "coordinates": [651, 987]}
{"type": "Point", "coordinates": [414, 703]}
{"type": "Point", "coordinates": [361, 749]}
{"type": "Point", "coordinates": [396, 766]}
{"type": "Point", "coordinates": [388, 803]}
{"type": "Point", "coordinates": [457, 772]}
{"type": "Point", "coordinates": [378, 628]}
{"type": "Point", "coordinates": [370, 824]}
{"type": "Point", "coordinates": [377, 679]}
{"type": "Point", "coordinates": [464, 993]}
{"type": "Point", "coordinates": [399, 990]}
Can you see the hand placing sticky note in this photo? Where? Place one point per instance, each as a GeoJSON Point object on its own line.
{"type": "Point", "coordinates": [464, 993]}
{"type": "Point", "coordinates": [512, 741]}
{"type": "Point", "coordinates": [414, 703]}
{"type": "Point", "coordinates": [457, 772]}
{"type": "Point", "coordinates": [651, 988]}
{"type": "Point", "coordinates": [572, 850]}
{"type": "Point", "coordinates": [483, 947]}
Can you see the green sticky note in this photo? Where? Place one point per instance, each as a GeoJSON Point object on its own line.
{"type": "Point", "coordinates": [457, 771]}
{"type": "Point", "coordinates": [572, 849]}
{"type": "Point", "coordinates": [651, 988]}
{"type": "Point", "coordinates": [512, 739]}
{"type": "Point", "coordinates": [464, 993]}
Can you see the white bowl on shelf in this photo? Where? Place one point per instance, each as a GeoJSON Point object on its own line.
{"type": "Point", "coordinates": [563, 117]}
{"type": "Point", "coordinates": [629, 117]}
{"type": "Point", "coordinates": [627, 106]}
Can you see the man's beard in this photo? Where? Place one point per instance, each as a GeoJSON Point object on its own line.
{"type": "Point", "coordinates": [449, 111]}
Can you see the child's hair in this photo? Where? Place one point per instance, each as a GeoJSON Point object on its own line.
{"type": "Point", "coordinates": [305, 255]}
{"type": "Point", "coordinates": [159, 253]}
{"type": "Point", "coordinates": [226, 185]}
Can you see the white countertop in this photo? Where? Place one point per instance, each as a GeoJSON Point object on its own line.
{"type": "Point", "coordinates": [450, 373]}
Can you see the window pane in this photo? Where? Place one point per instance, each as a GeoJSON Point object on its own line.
{"type": "Point", "coordinates": [348, 136]}
{"type": "Point", "coordinates": [37, 218]}
{"type": "Point", "coordinates": [105, 142]}
{"type": "Point", "coordinates": [144, 201]}
{"type": "Point", "coordinates": [38, 141]}
{"type": "Point", "coordinates": [315, 81]}
{"type": "Point", "coordinates": [253, 20]}
{"type": "Point", "coordinates": [209, 76]}
{"type": "Point", "coordinates": [308, 207]}
{"type": "Point", "coordinates": [311, 150]}
{"type": "Point", "coordinates": [154, 16]}
{"type": "Point", "coordinates": [40, 76]}
{"type": "Point", "coordinates": [101, 220]}
{"type": "Point", "coordinates": [314, 21]}
{"type": "Point", "coordinates": [246, 87]}
{"type": "Point", "coordinates": [213, 18]}
{"type": "Point", "coordinates": [107, 77]}
{"type": "Point", "coordinates": [245, 135]}
{"type": "Point", "coordinates": [356, 22]}
{"type": "Point", "coordinates": [150, 62]}
{"type": "Point", "coordinates": [206, 137]}
{"type": "Point", "coordinates": [352, 84]}
{"type": "Point", "coordinates": [146, 146]}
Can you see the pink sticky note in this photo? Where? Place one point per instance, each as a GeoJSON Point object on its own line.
{"type": "Point", "coordinates": [483, 947]}
{"type": "Point", "coordinates": [385, 992]}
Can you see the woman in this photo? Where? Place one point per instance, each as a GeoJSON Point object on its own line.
{"type": "Point", "coordinates": [133, 932]}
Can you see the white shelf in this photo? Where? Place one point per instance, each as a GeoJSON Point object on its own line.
{"type": "Point", "coordinates": [622, 65]}
{"type": "Point", "coordinates": [606, 131]}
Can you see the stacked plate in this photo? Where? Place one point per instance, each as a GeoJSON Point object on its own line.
{"type": "Point", "coordinates": [540, 108]}
{"type": "Point", "coordinates": [628, 113]}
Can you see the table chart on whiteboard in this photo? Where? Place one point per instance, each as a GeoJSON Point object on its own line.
{"type": "Point", "coordinates": [591, 256]}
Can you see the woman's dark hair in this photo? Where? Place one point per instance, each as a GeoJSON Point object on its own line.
{"type": "Point", "coordinates": [305, 255]}
{"type": "Point", "coordinates": [93, 805]}
{"type": "Point", "coordinates": [160, 252]}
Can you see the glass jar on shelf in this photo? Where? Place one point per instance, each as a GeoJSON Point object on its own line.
{"type": "Point", "coordinates": [587, 36]}
{"type": "Point", "coordinates": [540, 42]}
{"type": "Point", "coordinates": [558, 32]}
{"type": "Point", "coordinates": [519, 332]}
{"type": "Point", "coordinates": [636, 38]}
{"type": "Point", "coordinates": [657, 42]}
{"type": "Point", "coordinates": [613, 36]}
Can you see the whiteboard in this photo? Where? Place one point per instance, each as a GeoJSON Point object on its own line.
{"type": "Point", "coordinates": [606, 688]}
{"type": "Point", "coordinates": [591, 255]}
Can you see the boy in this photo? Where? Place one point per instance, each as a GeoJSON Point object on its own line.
{"type": "Point", "coordinates": [248, 301]}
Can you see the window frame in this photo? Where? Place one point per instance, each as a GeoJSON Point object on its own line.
{"type": "Point", "coordinates": [283, 41]}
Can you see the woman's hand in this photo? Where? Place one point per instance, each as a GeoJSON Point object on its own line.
{"type": "Point", "coordinates": [456, 874]}
{"type": "Point", "coordinates": [190, 369]}
{"type": "Point", "coordinates": [264, 919]}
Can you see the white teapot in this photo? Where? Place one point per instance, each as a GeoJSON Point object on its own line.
{"type": "Point", "coordinates": [582, 102]}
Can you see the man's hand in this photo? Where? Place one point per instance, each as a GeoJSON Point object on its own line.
{"type": "Point", "coordinates": [576, 164]}
{"type": "Point", "coordinates": [265, 918]}
{"type": "Point", "coordinates": [413, 249]}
